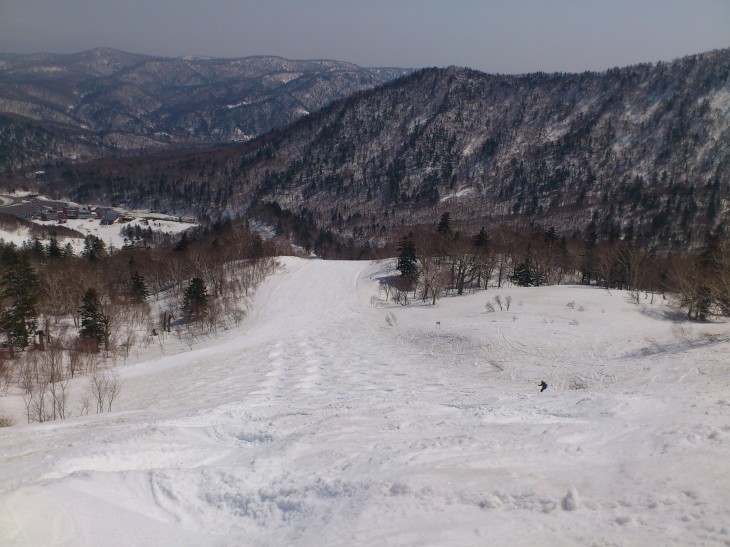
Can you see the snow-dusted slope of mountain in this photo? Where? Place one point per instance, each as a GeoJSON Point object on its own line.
{"type": "Point", "coordinates": [333, 418]}
{"type": "Point", "coordinates": [110, 102]}
{"type": "Point", "coordinates": [639, 152]}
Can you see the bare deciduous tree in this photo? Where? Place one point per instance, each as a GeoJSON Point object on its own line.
{"type": "Point", "coordinates": [104, 387]}
{"type": "Point", "coordinates": [6, 374]}
{"type": "Point", "coordinates": [46, 386]}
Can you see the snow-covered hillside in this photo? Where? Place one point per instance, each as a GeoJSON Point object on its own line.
{"type": "Point", "coordinates": [110, 234]}
{"type": "Point", "coordinates": [332, 418]}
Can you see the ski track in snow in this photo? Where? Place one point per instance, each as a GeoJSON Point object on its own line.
{"type": "Point", "coordinates": [326, 420]}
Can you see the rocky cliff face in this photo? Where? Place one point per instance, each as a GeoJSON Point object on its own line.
{"type": "Point", "coordinates": [642, 151]}
{"type": "Point", "coordinates": [125, 102]}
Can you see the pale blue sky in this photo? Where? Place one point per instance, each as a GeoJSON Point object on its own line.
{"type": "Point", "coordinates": [494, 36]}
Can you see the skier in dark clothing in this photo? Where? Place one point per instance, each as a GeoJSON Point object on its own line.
{"type": "Point", "coordinates": [543, 386]}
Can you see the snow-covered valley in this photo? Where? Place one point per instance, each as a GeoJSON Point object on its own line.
{"type": "Point", "coordinates": [330, 417]}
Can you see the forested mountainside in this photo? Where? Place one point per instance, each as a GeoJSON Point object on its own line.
{"type": "Point", "coordinates": [641, 151]}
{"type": "Point", "coordinates": [107, 102]}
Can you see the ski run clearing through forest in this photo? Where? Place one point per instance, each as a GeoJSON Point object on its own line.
{"type": "Point", "coordinates": [330, 417]}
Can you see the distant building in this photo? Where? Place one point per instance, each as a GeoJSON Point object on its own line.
{"type": "Point", "coordinates": [51, 214]}
{"type": "Point", "coordinates": [109, 217]}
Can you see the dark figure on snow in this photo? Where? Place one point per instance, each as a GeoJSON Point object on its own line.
{"type": "Point", "coordinates": [543, 386]}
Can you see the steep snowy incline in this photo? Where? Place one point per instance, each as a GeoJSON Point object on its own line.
{"type": "Point", "coordinates": [334, 418]}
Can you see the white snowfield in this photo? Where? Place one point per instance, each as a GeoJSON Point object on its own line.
{"type": "Point", "coordinates": [332, 418]}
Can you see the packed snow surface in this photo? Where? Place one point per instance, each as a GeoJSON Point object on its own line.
{"type": "Point", "coordinates": [331, 417]}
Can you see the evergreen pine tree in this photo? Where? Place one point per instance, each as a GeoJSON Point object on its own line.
{"type": "Point", "coordinates": [522, 275]}
{"type": "Point", "coordinates": [707, 274]}
{"type": "Point", "coordinates": [481, 240]}
{"type": "Point", "coordinates": [19, 293]}
{"type": "Point", "coordinates": [183, 243]}
{"type": "Point", "coordinates": [9, 254]}
{"type": "Point", "coordinates": [94, 248]}
{"type": "Point", "coordinates": [94, 324]}
{"type": "Point", "coordinates": [257, 246]}
{"type": "Point", "coordinates": [588, 260]}
{"type": "Point", "coordinates": [138, 287]}
{"type": "Point", "coordinates": [407, 259]}
{"type": "Point", "coordinates": [37, 248]}
{"type": "Point", "coordinates": [54, 249]}
{"type": "Point", "coordinates": [195, 299]}
{"type": "Point", "coordinates": [444, 226]}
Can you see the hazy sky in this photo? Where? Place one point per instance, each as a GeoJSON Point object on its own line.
{"type": "Point", "coordinates": [508, 36]}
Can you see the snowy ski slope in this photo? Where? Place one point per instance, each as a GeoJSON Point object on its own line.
{"type": "Point", "coordinates": [333, 418]}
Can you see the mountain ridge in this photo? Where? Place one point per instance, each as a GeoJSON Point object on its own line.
{"type": "Point", "coordinates": [164, 102]}
{"type": "Point", "coordinates": [640, 151]}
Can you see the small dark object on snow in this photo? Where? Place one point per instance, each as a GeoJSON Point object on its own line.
{"type": "Point", "coordinates": [543, 386]}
